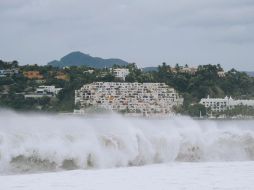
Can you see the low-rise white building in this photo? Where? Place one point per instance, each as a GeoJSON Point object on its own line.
{"type": "Point", "coordinates": [189, 70]}
{"type": "Point", "coordinates": [48, 90]}
{"type": "Point", "coordinates": [8, 72]}
{"type": "Point", "coordinates": [121, 73]}
{"type": "Point", "coordinates": [223, 104]}
{"type": "Point", "coordinates": [42, 91]}
{"type": "Point", "coordinates": [221, 74]}
{"type": "Point", "coordinates": [145, 99]}
{"type": "Point", "coordinates": [90, 71]}
{"type": "Point", "coordinates": [2, 73]}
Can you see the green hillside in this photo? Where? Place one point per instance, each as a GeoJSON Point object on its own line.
{"type": "Point", "coordinates": [81, 59]}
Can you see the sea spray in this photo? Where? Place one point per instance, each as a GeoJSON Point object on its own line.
{"type": "Point", "coordinates": [37, 142]}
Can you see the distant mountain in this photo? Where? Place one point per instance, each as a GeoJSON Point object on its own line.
{"type": "Point", "coordinates": [81, 59]}
{"type": "Point", "coordinates": [250, 73]}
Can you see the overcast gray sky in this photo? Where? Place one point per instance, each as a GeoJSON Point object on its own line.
{"type": "Point", "coordinates": [147, 32]}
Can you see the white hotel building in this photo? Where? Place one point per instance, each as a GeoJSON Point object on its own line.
{"type": "Point", "coordinates": [145, 99]}
{"type": "Point", "coordinates": [223, 104]}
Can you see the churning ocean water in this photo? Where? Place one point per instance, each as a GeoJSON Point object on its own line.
{"type": "Point", "coordinates": [103, 151]}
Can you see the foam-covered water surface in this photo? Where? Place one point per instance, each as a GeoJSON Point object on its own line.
{"type": "Point", "coordinates": [36, 142]}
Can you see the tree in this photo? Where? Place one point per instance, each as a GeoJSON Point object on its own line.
{"type": "Point", "coordinates": [197, 109]}
{"type": "Point", "coordinates": [177, 67]}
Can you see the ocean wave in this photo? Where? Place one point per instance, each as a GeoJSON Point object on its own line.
{"type": "Point", "coordinates": [34, 143]}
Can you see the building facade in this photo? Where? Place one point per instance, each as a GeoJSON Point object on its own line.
{"type": "Point", "coordinates": [189, 70]}
{"type": "Point", "coordinates": [121, 73]}
{"type": "Point", "coordinates": [8, 72]}
{"type": "Point", "coordinates": [62, 76]}
{"type": "Point", "coordinates": [223, 104]}
{"type": "Point", "coordinates": [48, 90]}
{"type": "Point", "coordinates": [33, 75]}
{"type": "Point", "coordinates": [42, 91]}
{"type": "Point", "coordinates": [144, 99]}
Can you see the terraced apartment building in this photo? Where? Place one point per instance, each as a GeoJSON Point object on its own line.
{"type": "Point", "coordinates": [139, 98]}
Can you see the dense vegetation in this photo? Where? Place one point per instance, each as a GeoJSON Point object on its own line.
{"type": "Point", "coordinates": [191, 86]}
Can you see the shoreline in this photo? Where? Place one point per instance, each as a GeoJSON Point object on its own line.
{"type": "Point", "coordinates": [149, 117]}
{"type": "Point", "coordinates": [159, 117]}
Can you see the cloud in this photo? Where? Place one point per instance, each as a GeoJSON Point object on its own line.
{"type": "Point", "coordinates": [146, 32]}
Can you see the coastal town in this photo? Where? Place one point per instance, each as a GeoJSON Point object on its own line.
{"type": "Point", "coordinates": [119, 89]}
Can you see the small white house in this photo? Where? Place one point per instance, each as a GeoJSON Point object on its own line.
{"type": "Point", "coordinates": [121, 73]}
{"type": "Point", "coordinates": [221, 74]}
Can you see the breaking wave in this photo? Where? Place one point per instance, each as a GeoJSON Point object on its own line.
{"type": "Point", "coordinates": [33, 143]}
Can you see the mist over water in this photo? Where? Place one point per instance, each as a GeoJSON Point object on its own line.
{"type": "Point", "coordinates": [36, 142]}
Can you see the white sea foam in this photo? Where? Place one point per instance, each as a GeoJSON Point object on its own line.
{"type": "Point", "coordinates": [32, 143]}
